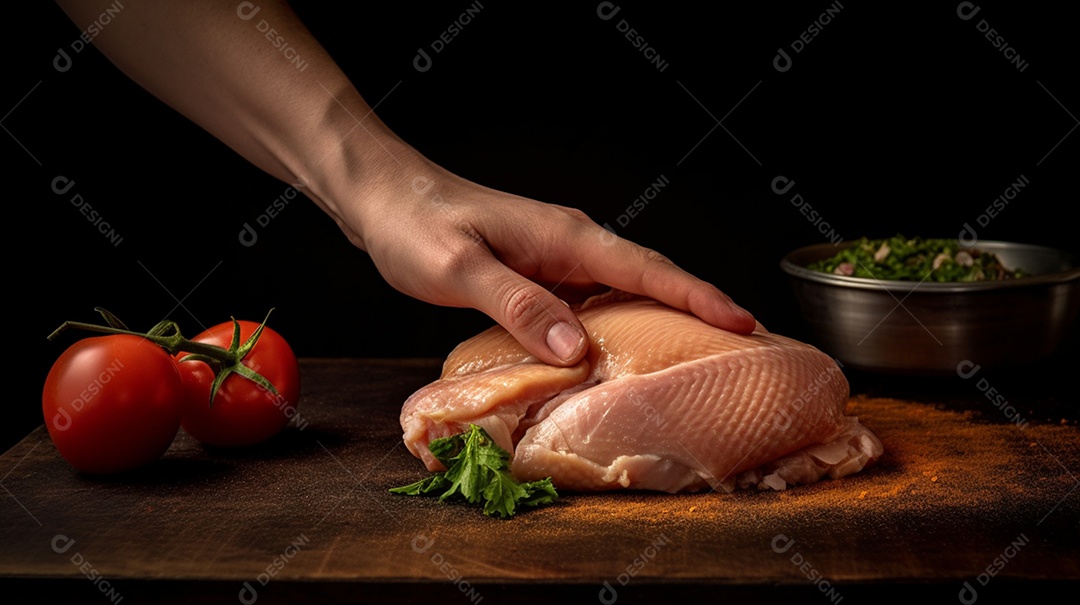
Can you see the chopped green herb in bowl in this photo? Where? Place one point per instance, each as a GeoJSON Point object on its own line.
{"type": "Point", "coordinates": [916, 259]}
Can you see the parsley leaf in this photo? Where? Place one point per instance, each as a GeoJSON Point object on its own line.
{"type": "Point", "coordinates": [477, 470]}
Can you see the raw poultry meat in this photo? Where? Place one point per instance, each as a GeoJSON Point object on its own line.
{"type": "Point", "coordinates": [662, 401]}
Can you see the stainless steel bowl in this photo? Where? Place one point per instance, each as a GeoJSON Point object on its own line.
{"type": "Point", "coordinates": [933, 328]}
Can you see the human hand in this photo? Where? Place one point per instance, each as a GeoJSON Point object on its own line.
{"type": "Point", "coordinates": [432, 235]}
{"type": "Point", "coordinates": [451, 242]}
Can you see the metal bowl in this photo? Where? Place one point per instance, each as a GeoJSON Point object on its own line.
{"type": "Point", "coordinates": [933, 328]}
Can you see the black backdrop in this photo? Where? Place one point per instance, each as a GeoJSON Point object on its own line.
{"type": "Point", "coordinates": [892, 119]}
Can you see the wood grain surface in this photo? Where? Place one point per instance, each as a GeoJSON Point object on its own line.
{"type": "Point", "coordinates": [963, 495]}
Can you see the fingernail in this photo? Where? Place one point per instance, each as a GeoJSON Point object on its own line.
{"type": "Point", "coordinates": [564, 340]}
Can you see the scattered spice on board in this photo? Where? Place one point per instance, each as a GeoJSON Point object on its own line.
{"type": "Point", "coordinates": [990, 465]}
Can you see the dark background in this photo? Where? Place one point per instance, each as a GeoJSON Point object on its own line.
{"type": "Point", "coordinates": [894, 119]}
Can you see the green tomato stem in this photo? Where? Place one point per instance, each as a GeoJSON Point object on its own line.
{"type": "Point", "coordinates": [173, 344]}
{"type": "Point", "coordinates": [167, 335]}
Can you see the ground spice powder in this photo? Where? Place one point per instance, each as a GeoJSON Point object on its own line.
{"type": "Point", "coordinates": [952, 488]}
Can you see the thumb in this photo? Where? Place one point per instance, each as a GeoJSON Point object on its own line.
{"type": "Point", "coordinates": [543, 324]}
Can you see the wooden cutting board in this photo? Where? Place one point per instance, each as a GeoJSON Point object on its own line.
{"type": "Point", "coordinates": [965, 504]}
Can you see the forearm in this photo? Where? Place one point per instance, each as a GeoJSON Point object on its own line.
{"type": "Point", "coordinates": [297, 116]}
{"type": "Point", "coordinates": [294, 114]}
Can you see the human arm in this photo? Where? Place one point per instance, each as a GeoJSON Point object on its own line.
{"type": "Point", "coordinates": [432, 234]}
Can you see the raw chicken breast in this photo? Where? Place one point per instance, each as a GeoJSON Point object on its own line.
{"type": "Point", "coordinates": [662, 401]}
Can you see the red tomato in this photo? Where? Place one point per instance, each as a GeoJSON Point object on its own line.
{"type": "Point", "coordinates": [243, 412]}
{"type": "Point", "coordinates": [112, 403]}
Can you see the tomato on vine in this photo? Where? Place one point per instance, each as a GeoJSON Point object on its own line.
{"type": "Point", "coordinates": [113, 403]}
{"type": "Point", "coordinates": [242, 411]}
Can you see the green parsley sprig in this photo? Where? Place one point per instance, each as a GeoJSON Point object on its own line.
{"type": "Point", "coordinates": [478, 471]}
